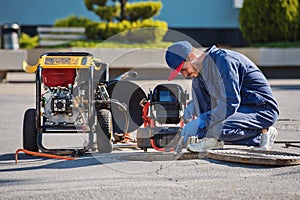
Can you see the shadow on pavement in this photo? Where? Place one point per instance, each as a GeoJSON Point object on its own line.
{"type": "Point", "coordinates": [96, 159]}
{"type": "Point", "coordinates": [24, 159]}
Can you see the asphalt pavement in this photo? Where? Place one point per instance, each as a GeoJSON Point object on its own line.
{"type": "Point", "coordinates": [106, 176]}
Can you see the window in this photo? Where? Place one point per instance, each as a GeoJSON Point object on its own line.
{"type": "Point", "coordinates": [238, 3]}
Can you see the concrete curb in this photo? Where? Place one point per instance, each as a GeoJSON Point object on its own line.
{"type": "Point", "coordinates": [12, 59]}
{"type": "Point", "coordinates": [274, 62]}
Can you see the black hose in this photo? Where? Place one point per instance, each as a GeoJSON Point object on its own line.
{"type": "Point", "coordinates": [124, 109]}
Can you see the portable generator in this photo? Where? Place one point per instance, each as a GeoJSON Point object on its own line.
{"type": "Point", "coordinates": [74, 95]}
{"type": "Point", "coordinates": [162, 115]}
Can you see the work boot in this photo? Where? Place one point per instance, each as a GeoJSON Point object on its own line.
{"type": "Point", "coordinates": [267, 139]}
{"type": "Point", "coordinates": [204, 144]}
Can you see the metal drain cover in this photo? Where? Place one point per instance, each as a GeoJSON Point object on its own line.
{"type": "Point", "coordinates": [245, 156]}
{"type": "Point", "coordinates": [157, 156]}
{"type": "Point", "coordinates": [249, 156]}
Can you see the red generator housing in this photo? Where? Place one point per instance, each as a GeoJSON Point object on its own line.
{"type": "Point", "coordinates": [58, 77]}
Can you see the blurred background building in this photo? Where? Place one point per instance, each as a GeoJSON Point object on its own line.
{"type": "Point", "coordinates": [207, 22]}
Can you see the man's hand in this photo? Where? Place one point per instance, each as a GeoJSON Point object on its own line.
{"type": "Point", "coordinates": [191, 128]}
{"type": "Point", "coordinates": [189, 112]}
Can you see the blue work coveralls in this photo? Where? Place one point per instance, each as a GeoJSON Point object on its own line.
{"type": "Point", "coordinates": [234, 99]}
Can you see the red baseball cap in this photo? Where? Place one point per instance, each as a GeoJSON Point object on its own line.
{"type": "Point", "coordinates": [176, 55]}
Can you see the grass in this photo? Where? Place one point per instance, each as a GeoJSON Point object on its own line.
{"type": "Point", "coordinates": [160, 44]}
{"type": "Point", "coordinates": [111, 44]}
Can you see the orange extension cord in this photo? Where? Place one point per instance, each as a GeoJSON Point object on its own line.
{"type": "Point", "coordinates": [158, 148]}
{"type": "Point", "coordinates": [42, 155]}
{"type": "Point", "coordinates": [147, 120]}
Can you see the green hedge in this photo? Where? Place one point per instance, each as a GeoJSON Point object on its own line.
{"type": "Point", "coordinates": [147, 31]}
{"type": "Point", "coordinates": [142, 10]}
{"type": "Point", "coordinates": [27, 42]}
{"type": "Point", "coordinates": [132, 11]}
{"type": "Point", "coordinates": [108, 13]}
{"type": "Point", "coordinates": [298, 35]}
{"type": "Point", "coordinates": [140, 31]}
{"type": "Point", "coordinates": [90, 3]}
{"type": "Point", "coordinates": [128, 31]}
{"type": "Point", "coordinates": [264, 21]}
{"type": "Point", "coordinates": [72, 21]}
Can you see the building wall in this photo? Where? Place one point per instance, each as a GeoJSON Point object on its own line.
{"type": "Point", "coordinates": [200, 13]}
{"type": "Point", "coordinates": [178, 13]}
{"type": "Point", "coordinates": [41, 12]}
{"type": "Point", "coordinates": [208, 21]}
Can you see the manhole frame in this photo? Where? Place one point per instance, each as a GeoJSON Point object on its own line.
{"type": "Point", "coordinates": [234, 155]}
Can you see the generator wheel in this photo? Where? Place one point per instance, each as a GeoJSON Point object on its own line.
{"type": "Point", "coordinates": [29, 131]}
{"type": "Point", "coordinates": [104, 131]}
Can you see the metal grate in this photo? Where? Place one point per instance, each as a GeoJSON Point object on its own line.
{"type": "Point", "coordinates": [249, 156]}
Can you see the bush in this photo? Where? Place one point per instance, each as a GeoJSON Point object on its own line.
{"type": "Point", "coordinates": [147, 31]}
{"type": "Point", "coordinates": [89, 4]}
{"type": "Point", "coordinates": [269, 21]}
{"type": "Point", "coordinates": [91, 30]}
{"type": "Point", "coordinates": [28, 42]}
{"type": "Point", "coordinates": [140, 31]}
{"type": "Point", "coordinates": [142, 10]}
{"type": "Point", "coordinates": [72, 21]}
{"type": "Point", "coordinates": [298, 35]}
{"type": "Point", "coordinates": [119, 10]}
{"type": "Point", "coordinates": [108, 13]}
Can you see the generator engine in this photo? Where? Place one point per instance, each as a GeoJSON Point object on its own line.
{"type": "Point", "coordinates": [58, 106]}
{"type": "Point", "coordinates": [62, 102]}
